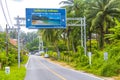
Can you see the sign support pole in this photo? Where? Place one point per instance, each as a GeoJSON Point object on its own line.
{"type": "Point", "coordinates": [85, 48]}
{"type": "Point", "coordinates": [82, 25]}
{"type": "Point", "coordinates": [81, 32]}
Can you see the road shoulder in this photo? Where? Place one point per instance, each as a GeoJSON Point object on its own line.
{"type": "Point", "coordinates": [63, 64]}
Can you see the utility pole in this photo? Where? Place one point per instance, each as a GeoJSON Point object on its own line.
{"type": "Point", "coordinates": [6, 41]}
{"type": "Point", "coordinates": [19, 20]}
{"type": "Point", "coordinates": [18, 25]}
{"type": "Point", "coordinates": [6, 44]}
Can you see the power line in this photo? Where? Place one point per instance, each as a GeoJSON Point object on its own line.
{"type": "Point", "coordinates": [4, 12]}
{"type": "Point", "coordinates": [8, 12]}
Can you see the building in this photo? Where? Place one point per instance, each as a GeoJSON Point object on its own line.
{"type": "Point", "coordinates": [13, 42]}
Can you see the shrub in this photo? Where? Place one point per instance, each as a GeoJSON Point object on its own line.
{"type": "Point", "coordinates": [109, 69]}
{"type": "Point", "coordinates": [3, 59]}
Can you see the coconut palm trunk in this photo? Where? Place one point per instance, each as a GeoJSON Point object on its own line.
{"type": "Point", "coordinates": [101, 38]}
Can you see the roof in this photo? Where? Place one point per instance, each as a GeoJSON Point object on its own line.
{"type": "Point", "coordinates": [13, 41]}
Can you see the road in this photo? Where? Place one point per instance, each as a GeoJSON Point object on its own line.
{"type": "Point", "coordinates": [40, 69]}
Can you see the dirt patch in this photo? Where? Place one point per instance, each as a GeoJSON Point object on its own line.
{"type": "Point", "coordinates": [113, 78]}
{"type": "Point", "coordinates": [117, 78]}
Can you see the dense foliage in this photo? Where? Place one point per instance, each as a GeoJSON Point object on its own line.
{"type": "Point", "coordinates": [15, 72]}
{"type": "Point", "coordinates": [103, 21]}
{"type": "Point", "coordinates": [32, 41]}
{"type": "Point", "coordinates": [8, 57]}
{"type": "Point", "coordinates": [33, 45]}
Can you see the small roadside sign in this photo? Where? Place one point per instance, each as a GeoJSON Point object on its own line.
{"type": "Point", "coordinates": [90, 55]}
{"type": "Point", "coordinates": [105, 56]}
{"type": "Point", "coordinates": [7, 70]}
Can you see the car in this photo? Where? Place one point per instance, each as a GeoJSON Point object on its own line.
{"type": "Point", "coordinates": [46, 56]}
{"type": "Point", "coordinates": [39, 53]}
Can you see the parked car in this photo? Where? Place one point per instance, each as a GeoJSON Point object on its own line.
{"type": "Point", "coordinates": [39, 53]}
{"type": "Point", "coordinates": [46, 55]}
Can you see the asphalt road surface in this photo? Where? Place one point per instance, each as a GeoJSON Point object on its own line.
{"type": "Point", "coordinates": [40, 69]}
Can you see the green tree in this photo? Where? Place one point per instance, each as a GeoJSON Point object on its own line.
{"type": "Point", "coordinates": [114, 34]}
{"type": "Point", "coordinates": [13, 34]}
{"type": "Point", "coordinates": [101, 15]}
{"type": "Point", "coordinates": [51, 36]}
{"type": "Point", "coordinates": [30, 36]}
{"type": "Point", "coordinates": [31, 46]}
{"type": "Point", "coordinates": [7, 57]}
{"type": "Point", "coordinates": [31, 40]}
{"type": "Point", "coordinates": [2, 41]}
{"type": "Point", "coordinates": [75, 8]}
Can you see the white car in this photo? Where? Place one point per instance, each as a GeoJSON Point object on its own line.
{"type": "Point", "coordinates": [46, 55]}
{"type": "Point", "coordinates": [39, 53]}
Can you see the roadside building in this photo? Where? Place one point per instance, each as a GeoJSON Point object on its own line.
{"type": "Point", "coordinates": [13, 42]}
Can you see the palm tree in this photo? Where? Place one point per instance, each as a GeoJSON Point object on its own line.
{"type": "Point", "coordinates": [114, 36]}
{"type": "Point", "coordinates": [51, 36]}
{"type": "Point", "coordinates": [68, 2]}
{"type": "Point", "coordinates": [101, 15]}
{"type": "Point", "coordinates": [74, 6]}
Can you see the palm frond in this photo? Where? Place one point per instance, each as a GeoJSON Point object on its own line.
{"type": "Point", "coordinates": [67, 2]}
{"type": "Point", "coordinates": [97, 20]}
{"type": "Point", "coordinates": [114, 10]}
{"type": "Point", "coordinates": [99, 4]}
{"type": "Point", "coordinates": [107, 6]}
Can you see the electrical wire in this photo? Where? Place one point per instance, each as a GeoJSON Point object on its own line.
{"type": "Point", "coordinates": [8, 12]}
{"type": "Point", "coordinates": [4, 13]}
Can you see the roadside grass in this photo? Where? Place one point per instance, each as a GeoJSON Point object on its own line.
{"type": "Point", "coordinates": [70, 66]}
{"type": "Point", "coordinates": [15, 72]}
{"type": "Point", "coordinates": [109, 68]}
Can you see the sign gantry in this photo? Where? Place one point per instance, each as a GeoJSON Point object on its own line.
{"type": "Point", "coordinates": [37, 18]}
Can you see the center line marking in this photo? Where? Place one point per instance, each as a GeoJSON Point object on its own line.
{"type": "Point", "coordinates": [61, 77]}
